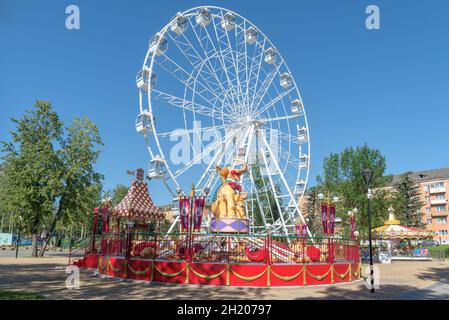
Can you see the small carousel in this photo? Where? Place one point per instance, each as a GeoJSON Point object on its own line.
{"type": "Point", "coordinates": [127, 242]}
{"type": "Point", "coordinates": [404, 240]}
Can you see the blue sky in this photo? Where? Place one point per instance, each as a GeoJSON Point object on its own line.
{"type": "Point", "coordinates": [388, 87]}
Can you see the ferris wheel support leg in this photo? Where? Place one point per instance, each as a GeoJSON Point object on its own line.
{"type": "Point", "coordinates": [285, 183]}
{"type": "Point", "coordinates": [251, 178]}
{"type": "Point", "coordinates": [281, 214]}
{"type": "Point", "coordinates": [173, 225]}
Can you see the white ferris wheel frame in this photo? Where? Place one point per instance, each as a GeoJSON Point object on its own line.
{"type": "Point", "coordinates": [248, 134]}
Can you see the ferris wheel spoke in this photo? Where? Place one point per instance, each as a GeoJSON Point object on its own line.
{"type": "Point", "coordinates": [189, 131]}
{"type": "Point", "coordinates": [258, 97]}
{"type": "Point", "coordinates": [197, 62]}
{"type": "Point", "coordinates": [235, 63]}
{"type": "Point", "coordinates": [292, 198]}
{"type": "Point", "coordinates": [242, 138]}
{"type": "Point", "coordinates": [184, 104]}
{"type": "Point", "coordinates": [186, 79]}
{"type": "Point", "coordinates": [197, 158]}
{"type": "Point", "coordinates": [273, 102]}
{"type": "Point", "coordinates": [280, 118]}
{"type": "Point", "coordinates": [210, 68]}
{"type": "Point", "coordinates": [201, 155]}
{"type": "Point", "coordinates": [256, 74]}
{"type": "Point", "coordinates": [221, 59]}
{"type": "Point", "coordinates": [225, 53]}
{"type": "Point", "coordinates": [214, 178]}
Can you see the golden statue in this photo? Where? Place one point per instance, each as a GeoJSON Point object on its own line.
{"type": "Point", "coordinates": [230, 201]}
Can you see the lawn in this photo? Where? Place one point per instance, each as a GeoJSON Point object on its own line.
{"type": "Point", "coordinates": [19, 295]}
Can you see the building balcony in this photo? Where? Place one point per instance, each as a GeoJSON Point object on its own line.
{"type": "Point", "coordinates": [438, 201]}
{"type": "Point", "coordinates": [439, 214]}
{"type": "Point", "coordinates": [437, 190]}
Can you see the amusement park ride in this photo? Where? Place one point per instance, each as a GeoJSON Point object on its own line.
{"type": "Point", "coordinates": [211, 66]}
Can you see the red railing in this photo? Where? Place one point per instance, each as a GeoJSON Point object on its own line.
{"type": "Point", "coordinates": [227, 248]}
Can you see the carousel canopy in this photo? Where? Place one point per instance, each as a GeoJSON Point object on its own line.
{"type": "Point", "coordinates": [393, 230]}
{"type": "Point", "coordinates": [137, 204]}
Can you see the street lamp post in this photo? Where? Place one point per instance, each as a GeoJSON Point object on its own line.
{"type": "Point", "coordinates": [367, 175]}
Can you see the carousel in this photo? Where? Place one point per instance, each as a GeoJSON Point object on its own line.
{"type": "Point", "coordinates": [127, 242]}
{"type": "Point", "coordinates": [211, 74]}
{"type": "Point", "coordinates": [404, 240]}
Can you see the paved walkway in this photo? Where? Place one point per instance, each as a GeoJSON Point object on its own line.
{"type": "Point", "coordinates": [399, 280]}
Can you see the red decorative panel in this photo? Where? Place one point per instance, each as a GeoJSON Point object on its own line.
{"type": "Point", "coordinates": [341, 272]}
{"type": "Point", "coordinates": [286, 275]}
{"type": "Point", "coordinates": [318, 274]}
{"type": "Point", "coordinates": [173, 272]}
{"type": "Point", "coordinates": [248, 275]}
{"type": "Point", "coordinates": [139, 269]}
{"type": "Point", "coordinates": [255, 275]}
{"type": "Point", "coordinates": [208, 273]}
{"type": "Point", "coordinates": [116, 267]}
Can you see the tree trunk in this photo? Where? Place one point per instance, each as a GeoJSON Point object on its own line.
{"type": "Point", "coordinates": [34, 246]}
{"type": "Point", "coordinates": [47, 236]}
{"type": "Point", "coordinates": [52, 227]}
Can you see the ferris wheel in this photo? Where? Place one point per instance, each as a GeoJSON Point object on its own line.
{"type": "Point", "coordinates": [214, 90]}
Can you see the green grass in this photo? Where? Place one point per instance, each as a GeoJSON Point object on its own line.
{"type": "Point", "coordinates": [19, 295]}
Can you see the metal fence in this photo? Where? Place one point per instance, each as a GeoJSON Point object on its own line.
{"type": "Point", "coordinates": [225, 248]}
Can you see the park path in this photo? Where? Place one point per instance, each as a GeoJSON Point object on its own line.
{"type": "Point", "coordinates": [399, 280]}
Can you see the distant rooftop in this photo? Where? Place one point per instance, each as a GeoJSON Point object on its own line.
{"type": "Point", "coordinates": [424, 176]}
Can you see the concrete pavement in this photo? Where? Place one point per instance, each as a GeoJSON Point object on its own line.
{"type": "Point", "coordinates": [399, 280]}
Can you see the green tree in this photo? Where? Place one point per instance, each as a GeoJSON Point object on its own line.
{"type": "Point", "coordinates": [342, 177]}
{"type": "Point", "coordinates": [119, 193]}
{"type": "Point", "coordinates": [266, 198]}
{"type": "Point", "coordinates": [50, 177]}
{"type": "Point", "coordinates": [406, 201]}
{"type": "Point", "coordinates": [313, 211]}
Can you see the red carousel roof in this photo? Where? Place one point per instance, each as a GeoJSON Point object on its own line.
{"type": "Point", "coordinates": [138, 205]}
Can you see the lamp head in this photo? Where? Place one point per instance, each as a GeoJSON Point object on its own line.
{"type": "Point", "coordinates": [367, 174]}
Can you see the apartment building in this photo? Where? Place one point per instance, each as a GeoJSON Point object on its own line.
{"type": "Point", "coordinates": [434, 187]}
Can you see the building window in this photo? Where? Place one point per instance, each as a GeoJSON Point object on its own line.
{"type": "Point", "coordinates": [441, 208]}
{"type": "Point", "coordinates": [429, 221]}
{"type": "Point", "coordinates": [441, 220]}
{"type": "Point", "coordinates": [443, 233]}
{"type": "Point", "coordinates": [427, 210]}
{"type": "Point", "coordinates": [426, 188]}
{"type": "Point", "coordinates": [427, 198]}
{"type": "Point", "coordinates": [437, 185]}
{"type": "Point", "coordinates": [440, 197]}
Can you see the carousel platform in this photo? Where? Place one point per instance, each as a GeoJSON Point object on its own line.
{"type": "Point", "coordinates": [237, 260]}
